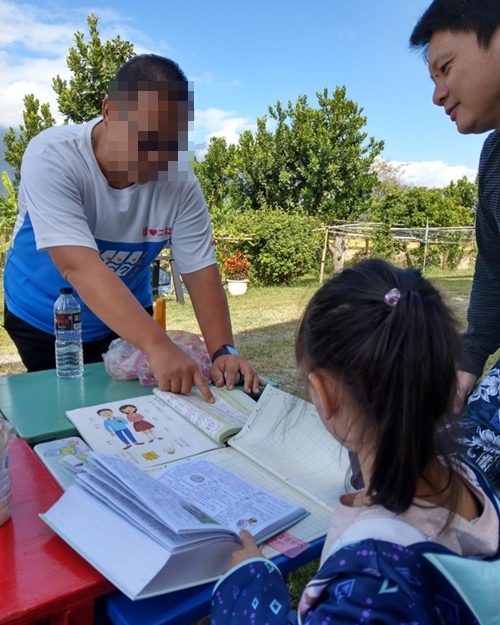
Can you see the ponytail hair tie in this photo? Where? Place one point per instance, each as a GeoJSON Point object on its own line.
{"type": "Point", "coordinates": [391, 298]}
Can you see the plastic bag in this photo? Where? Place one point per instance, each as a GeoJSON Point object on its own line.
{"type": "Point", "coordinates": [123, 361]}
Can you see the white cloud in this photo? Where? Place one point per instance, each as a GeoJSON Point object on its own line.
{"type": "Point", "coordinates": [33, 51]}
{"type": "Point", "coordinates": [209, 80]}
{"type": "Point", "coordinates": [34, 44]}
{"type": "Point", "coordinates": [347, 34]}
{"type": "Point", "coordinates": [432, 173]}
{"type": "Point", "coordinates": [28, 76]}
{"type": "Point", "coordinates": [213, 122]}
{"type": "Point", "coordinates": [36, 30]}
{"type": "Point", "coordinates": [205, 79]}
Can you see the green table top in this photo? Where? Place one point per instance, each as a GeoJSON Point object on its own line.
{"type": "Point", "coordinates": [35, 403]}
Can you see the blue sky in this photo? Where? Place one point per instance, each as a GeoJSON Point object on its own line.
{"type": "Point", "coordinates": [244, 55]}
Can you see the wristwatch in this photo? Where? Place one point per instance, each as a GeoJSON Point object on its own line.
{"type": "Point", "coordinates": [225, 349]}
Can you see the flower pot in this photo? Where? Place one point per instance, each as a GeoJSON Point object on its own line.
{"type": "Point", "coordinates": [237, 287]}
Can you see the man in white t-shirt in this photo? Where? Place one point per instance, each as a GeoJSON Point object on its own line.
{"type": "Point", "coordinates": [97, 203]}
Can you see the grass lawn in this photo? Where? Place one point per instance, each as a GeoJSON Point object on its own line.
{"type": "Point", "coordinates": [264, 324]}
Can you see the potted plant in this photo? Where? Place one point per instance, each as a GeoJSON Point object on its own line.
{"type": "Point", "coordinates": [236, 269]}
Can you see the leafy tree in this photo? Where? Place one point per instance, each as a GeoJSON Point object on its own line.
{"type": "Point", "coordinates": [388, 178]}
{"type": "Point", "coordinates": [8, 212]}
{"type": "Point", "coordinates": [93, 65]}
{"type": "Point", "coordinates": [331, 155]}
{"type": "Point", "coordinates": [463, 193]}
{"type": "Point", "coordinates": [265, 173]}
{"type": "Point", "coordinates": [216, 172]}
{"type": "Point", "coordinates": [415, 206]}
{"type": "Point", "coordinates": [383, 243]}
{"type": "Point", "coordinates": [452, 206]}
{"type": "Point", "coordinates": [36, 118]}
{"type": "Point", "coordinates": [315, 160]}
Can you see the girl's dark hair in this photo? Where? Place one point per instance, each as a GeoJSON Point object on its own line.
{"type": "Point", "coordinates": [122, 408]}
{"type": "Point", "coordinates": [397, 362]}
{"type": "Point", "coordinates": [481, 17]}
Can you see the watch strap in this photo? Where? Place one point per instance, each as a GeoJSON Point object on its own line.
{"type": "Point", "coordinates": [225, 349]}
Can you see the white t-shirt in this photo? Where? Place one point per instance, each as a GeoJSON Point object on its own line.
{"type": "Point", "coordinates": [64, 199]}
{"type": "Point", "coordinates": [477, 538]}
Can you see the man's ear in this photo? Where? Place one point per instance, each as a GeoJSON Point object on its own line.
{"type": "Point", "coordinates": [105, 110]}
{"type": "Point", "coordinates": [324, 394]}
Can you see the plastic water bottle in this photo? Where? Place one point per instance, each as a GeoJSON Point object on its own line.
{"type": "Point", "coordinates": [68, 331]}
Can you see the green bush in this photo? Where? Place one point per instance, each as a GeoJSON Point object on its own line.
{"type": "Point", "coordinates": [383, 243]}
{"type": "Point", "coordinates": [282, 247]}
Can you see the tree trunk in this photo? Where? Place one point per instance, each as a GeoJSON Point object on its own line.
{"type": "Point", "coordinates": [338, 252]}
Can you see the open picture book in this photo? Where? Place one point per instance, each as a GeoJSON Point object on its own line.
{"type": "Point", "coordinates": [153, 534]}
{"type": "Point", "coordinates": [64, 458]}
{"type": "Point", "coordinates": [154, 429]}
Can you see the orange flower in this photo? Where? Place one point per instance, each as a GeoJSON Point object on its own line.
{"type": "Point", "coordinates": [236, 266]}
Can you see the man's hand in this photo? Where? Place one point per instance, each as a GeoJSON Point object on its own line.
{"type": "Point", "coordinates": [465, 384]}
{"type": "Point", "coordinates": [225, 369]}
{"type": "Point", "coordinates": [247, 552]}
{"type": "Point", "coordinates": [210, 305]}
{"type": "Point", "coordinates": [175, 371]}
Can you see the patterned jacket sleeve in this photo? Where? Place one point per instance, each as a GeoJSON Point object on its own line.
{"type": "Point", "coordinates": [252, 593]}
{"type": "Point", "coordinates": [366, 582]}
{"type": "Point", "coordinates": [350, 599]}
{"type": "Point", "coordinates": [375, 581]}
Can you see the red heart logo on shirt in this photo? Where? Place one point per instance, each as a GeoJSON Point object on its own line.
{"type": "Point", "coordinates": [153, 231]}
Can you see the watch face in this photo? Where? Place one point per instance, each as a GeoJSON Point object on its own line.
{"type": "Point", "coordinates": [230, 350]}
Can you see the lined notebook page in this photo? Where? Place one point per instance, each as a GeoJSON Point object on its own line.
{"type": "Point", "coordinates": [285, 435]}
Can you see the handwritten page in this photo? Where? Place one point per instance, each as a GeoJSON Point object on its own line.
{"type": "Point", "coordinates": [285, 435]}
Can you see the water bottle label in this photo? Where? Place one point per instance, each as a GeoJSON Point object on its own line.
{"type": "Point", "coordinates": [65, 322]}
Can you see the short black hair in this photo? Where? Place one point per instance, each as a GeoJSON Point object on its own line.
{"type": "Point", "coordinates": [151, 72]}
{"type": "Point", "coordinates": [150, 67]}
{"type": "Point", "coordinates": [481, 17]}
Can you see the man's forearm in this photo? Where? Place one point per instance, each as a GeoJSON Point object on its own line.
{"type": "Point", "coordinates": [210, 306]}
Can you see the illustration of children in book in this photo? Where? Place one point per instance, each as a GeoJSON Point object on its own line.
{"type": "Point", "coordinates": [74, 456]}
{"type": "Point", "coordinates": [117, 426]}
{"type": "Point", "coordinates": [140, 423]}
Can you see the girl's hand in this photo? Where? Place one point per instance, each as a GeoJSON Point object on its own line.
{"type": "Point", "coordinates": [247, 552]}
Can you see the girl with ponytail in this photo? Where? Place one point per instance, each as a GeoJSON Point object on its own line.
{"type": "Point", "coordinates": [379, 349]}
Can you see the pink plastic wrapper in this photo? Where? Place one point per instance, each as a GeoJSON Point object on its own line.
{"type": "Point", "coordinates": [125, 362]}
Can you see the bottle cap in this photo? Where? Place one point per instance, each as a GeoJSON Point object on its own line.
{"type": "Point", "coordinates": [66, 290]}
